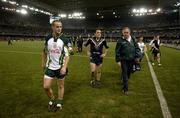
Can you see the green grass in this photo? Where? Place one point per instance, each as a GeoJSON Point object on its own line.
{"type": "Point", "coordinates": [22, 94]}
{"type": "Point", "coordinates": [169, 78]}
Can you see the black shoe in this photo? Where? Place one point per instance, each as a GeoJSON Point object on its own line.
{"type": "Point", "coordinates": [98, 84]}
{"type": "Point", "coordinates": [125, 92]}
{"type": "Point", "coordinates": [58, 107]}
{"type": "Point", "coordinates": [92, 83]}
{"type": "Point", "coordinates": [138, 68]}
{"type": "Point", "coordinates": [51, 105]}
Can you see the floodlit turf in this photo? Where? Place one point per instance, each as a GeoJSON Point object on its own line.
{"type": "Point", "coordinates": [169, 78]}
{"type": "Point", "coordinates": [22, 95]}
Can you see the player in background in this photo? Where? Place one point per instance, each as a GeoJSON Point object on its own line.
{"type": "Point", "coordinates": [143, 49]}
{"type": "Point", "coordinates": [155, 49]}
{"type": "Point", "coordinates": [96, 55]}
{"type": "Point", "coordinates": [79, 44]}
{"type": "Point", "coordinates": [9, 41]}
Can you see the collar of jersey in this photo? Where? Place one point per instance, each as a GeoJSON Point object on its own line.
{"type": "Point", "coordinates": [56, 38]}
{"type": "Point", "coordinates": [97, 43]}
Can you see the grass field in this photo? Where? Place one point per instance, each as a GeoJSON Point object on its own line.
{"type": "Point", "coordinates": [22, 94]}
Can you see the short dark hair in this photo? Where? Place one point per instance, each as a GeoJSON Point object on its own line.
{"type": "Point", "coordinates": [126, 28]}
{"type": "Point", "coordinates": [98, 29]}
{"type": "Point", "coordinates": [156, 35]}
{"type": "Point", "coordinates": [56, 21]}
{"type": "Point", "coordinates": [141, 36]}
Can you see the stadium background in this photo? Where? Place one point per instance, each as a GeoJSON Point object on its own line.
{"type": "Point", "coordinates": [26, 23]}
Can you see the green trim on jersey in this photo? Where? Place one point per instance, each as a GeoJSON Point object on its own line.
{"type": "Point", "coordinates": [61, 59]}
{"type": "Point", "coordinates": [49, 60]}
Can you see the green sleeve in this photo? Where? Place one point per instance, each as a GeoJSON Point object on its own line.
{"type": "Point", "coordinates": [117, 51]}
{"type": "Point", "coordinates": [67, 43]}
{"type": "Point", "coordinates": [46, 43]}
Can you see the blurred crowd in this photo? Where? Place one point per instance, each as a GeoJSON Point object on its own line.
{"type": "Point", "coordinates": [37, 25]}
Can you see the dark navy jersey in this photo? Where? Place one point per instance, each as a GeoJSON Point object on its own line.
{"type": "Point", "coordinates": [96, 47]}
{"type": "Point", "coordinates": [156, 43]}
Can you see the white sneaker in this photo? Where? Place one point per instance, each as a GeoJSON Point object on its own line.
{"type": "Point", "coordinates": [58, 107]}
{"type": "Point", "coordinates": [159, 64]}
{"type": "Point", "coordinates": [153, 64]}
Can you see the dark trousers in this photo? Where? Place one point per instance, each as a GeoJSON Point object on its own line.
{"type": "Point", "coordinates": [138, 65]}
{"type": "Point", "coordinates": [126, 66]}
{"type": "Point", "coordinates": [80, 48]}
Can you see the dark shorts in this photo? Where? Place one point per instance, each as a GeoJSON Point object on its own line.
{"type": "Point", "coordinates": [55, 73]}
{"type": "Point", "coordinates": [156, 52]}
{"type": "Point", "coordinates": [96, 59]}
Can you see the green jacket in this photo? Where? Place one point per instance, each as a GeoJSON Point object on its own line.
{"type": "Point", "coordinates": [126, 50]}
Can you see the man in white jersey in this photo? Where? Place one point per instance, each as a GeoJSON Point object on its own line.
{"type": "Point", "coordinates": [55, 60]}
{"type": "Point", "coordinates": [143, 49]}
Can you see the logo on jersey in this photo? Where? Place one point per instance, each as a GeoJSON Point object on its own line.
{"type": "Point", "coordinates": [55, 51]}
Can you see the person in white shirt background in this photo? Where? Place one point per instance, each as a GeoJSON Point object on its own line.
{"type": "Point", "coordinates": [143, 49]}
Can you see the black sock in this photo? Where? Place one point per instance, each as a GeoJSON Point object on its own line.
{"type": "Point", "coordinates": [92, 76]}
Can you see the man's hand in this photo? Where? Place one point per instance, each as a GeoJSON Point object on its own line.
{"type": "Point", "coordinates": [63, 70]}
{"type": "Point", "coordinates": [119, 64]}
{"type": "Point", "coordinates": [43, 67]}
{"type": "Point", "coordinates": [103, 55]}
{"type": "Point", "coordinates": [71, 52]}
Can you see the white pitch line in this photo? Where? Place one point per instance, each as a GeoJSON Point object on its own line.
{"type": "Point", "coordinates": [162, 100]}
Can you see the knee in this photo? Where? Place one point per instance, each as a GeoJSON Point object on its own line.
{"type": "Point", "coordinates": [61, 86]}
{"type": "Point", "coordinates": [98, 71]}
{"type": "Point", "coordinates": [46, 87]}
{"type": "Point", "coordinates": [93, 69]}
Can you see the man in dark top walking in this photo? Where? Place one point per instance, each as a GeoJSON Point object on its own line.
{"type": "Point", "coordinates": [127, 53]}
{"type": "Point", "coordinates": [96, 54]}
